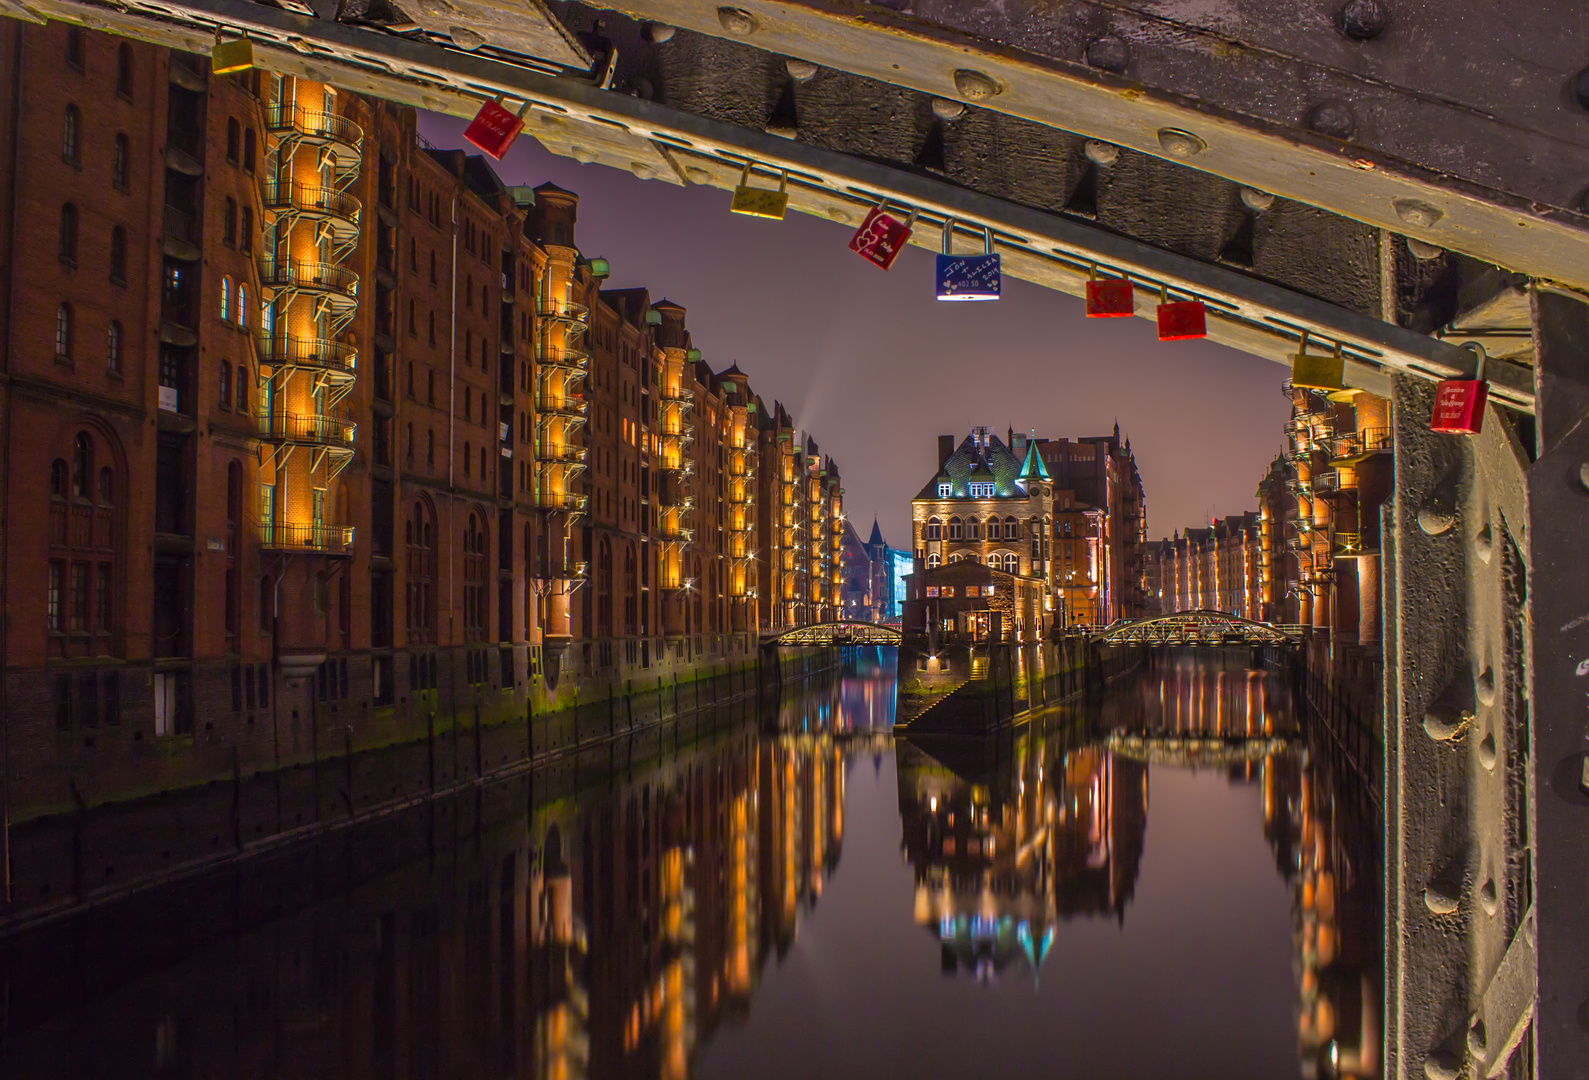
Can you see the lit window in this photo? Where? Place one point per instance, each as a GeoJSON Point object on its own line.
{"type": "Point", "coordinates": [932, 590]}
{"type": "Point", "coordinates": [113, 348]}
{"type": "Point", "coordinates": [226, 298]}
{"type": "Point", "coordinates": [944, 490]}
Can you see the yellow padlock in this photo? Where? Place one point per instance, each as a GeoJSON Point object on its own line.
{"type": "Point", "coordinates": [761, 202]}
{"type": "Point", "coordinates": [230, 57]}
{"type": "Point", "coordinates": [1312, 372]}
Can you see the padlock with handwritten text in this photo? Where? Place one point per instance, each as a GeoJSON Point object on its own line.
{"type": "Point", "coordinates": [761, 202]}
{"type": "Point", "coordinates": [1310, 371]}
{"type": "Point", "coordinates": [494, 129]}
{"type": "Point", "coordinates": [968, 277]}
{"type": "Point", "coordinates": [882, 236]}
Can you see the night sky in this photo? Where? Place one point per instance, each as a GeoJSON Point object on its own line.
{"type": "Point", "coordinates": [875, 368]}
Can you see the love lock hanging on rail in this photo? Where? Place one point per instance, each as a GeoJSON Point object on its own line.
{"type": "Point", "coordinates": [494, 129]}
{"type": "Point", "coordinates": [968, 277]}
{"type": "Point", "coordinates": [1312, 372]}
{"type": "Point", "coordinates": [1109, 298]}
{"type": "Point", "coordinates": [761, 202]}
{"type": "Point", "coordinates": [1181, 320]}
{"type": "Point", "coordinates": [882, 236]}
{"type": "Point", "coordinates": [230, 57]}
{"type": "Point", "coordinates": [1459, 403]}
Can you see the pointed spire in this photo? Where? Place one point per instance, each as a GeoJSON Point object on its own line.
{"type": "Point", "coordinates": [1033, 468]}
{"type": "Point", "coordinates": [877, 533]}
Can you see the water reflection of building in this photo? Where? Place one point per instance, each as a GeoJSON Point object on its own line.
{"type": "Point", "coordinates": [1004, 849]}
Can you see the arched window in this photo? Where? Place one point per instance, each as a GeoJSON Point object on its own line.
{"type": "Point", "coordinates": [413, 329]}
{"type": "Point", "coordinates": [113, 348]}
{"type": "Point", "coordinates": [468, 458]}
{"type": "Point", "coordinates": [74, 47]}
{"type": "Point", "coordinates": [124, 71]}
{"type": "Point", "coordinates": [249, 151]}
{"type": "Point", "coordinates": [954, 528]}
{"type": "Point", "coordinates": [82, 561]}
{"type": "Point", "coordinates": [996, 561]}
{"type": "Point", "coordinates": [1012, 563]}
{"type": "Point", "coordinates": [604, 588]}
{"type": "Point", "coordinates": [226, 385]}
{"type": "Point", "coordinates": [242, 305]}
{"type": "Point", "coordinates": [933, 560]}
{"type": "Point", "coordinates": [631, 590]}
{"type": "Point", "coordinates": [934, 529]}
{"type": "Point", "coordinates": [234, 140]}
{"type": "Point", "coordinates": [482, 463]}
{"type": "Point", "coordinates": [474, 576]}
{"type": "Point", "coordinates": [1012, 528]}
{"type": "Point", "coordinates": [118, 255]}
{"type": "Point", "coordinates": [973, 529]}
{"type": "Point", "coordinates": [71, 126]}
{"type": "Point", "coordinates": [420, 531]}
{"type": "Point", "coordinates": [242, 386]}
{"type": "Point", "coordinates": [956, 557]}
{"type": "Point", "coordinates": [431, 331]}
{"type": "Point", "coordinates": [234, 516]}
{"type": "Point", "coordinates": [433, 268]}
{"type": "Point", "coordinates": [63, 330]}
{"type": "Point", "coordinates": [68, 238]}
{"type": "Point", "coordinates": [226, 299]}
{"type": "Point", "coordinates": [118, 162]}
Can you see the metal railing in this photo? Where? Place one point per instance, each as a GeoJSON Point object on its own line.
{"type": "Point", "coordinates": [563, 311]}
{"type": "Point", "coordinates": [320, 430]}
{"type": "Point", "coordinates": [289, 118]}
{"type": "Point", "coordinates": [285, 536]}
{"type": "Point", "coordinates": [561, 501]}
{"type": "Point", "coordinates": [329, 278]}
{"type": "Point", "coordinates": [293, 350]}
{"type": "Point", "coordinates": [316, 199]}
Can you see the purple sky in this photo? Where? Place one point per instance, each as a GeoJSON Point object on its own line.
{"type": "Point", "coordinates": [874, 368]}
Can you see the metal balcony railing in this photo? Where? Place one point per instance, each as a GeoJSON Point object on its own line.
{"type": "Point", "coordinates": [291, 350]}
{"type": "Point", "coordinates": [564, 358]}
{"type": "Point", "coordinates": [316, 430]}
{"type": "Point", "coordinates": [561, 502]}
{"type": "Point", "coordinates": [562, 455]}
{"type": "Point", "coordinates": [569, 407]}
{"type": "Point", "coordinates": [1334, 483]}
{"type": "Point", "coordinates": [312, 199]}
{"type": "Point", "coordinates": [336, 282]}
{"type": "Point", "coordinates": [563, 311]}
{"type": "Point", "coordinates": [316, 124]}
{"type": "Point", "coordinates": [307, 537]}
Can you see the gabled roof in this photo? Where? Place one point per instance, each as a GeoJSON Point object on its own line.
{"type": "Point", "coordinates": [877, 535]}
{"type": "Point", "coordinates": [971, 463]}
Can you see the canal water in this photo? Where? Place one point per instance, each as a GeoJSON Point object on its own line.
{"type": "Point", "coordinates": [1172, 879]}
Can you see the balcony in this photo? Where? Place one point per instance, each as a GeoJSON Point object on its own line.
{"type": "Point", "coordinates": [561, 502]}
{"type": "Point", "coordinates": [1336, 483]}
{"type": "Point", "coordinates": [339, 285]}
{"type": "Point", "coordinates": [308, 538]}
{"type": "Point", "coordinates": [1356, 445]}
{"type": "Point", "coordinates": [179, 235]}
{"type": "Point", "coordinates": [569, 408]}
{"type": "Point", "coordinates": [291, 350]}
{"type": "Point", "coordinates": [307, 430]}
{"type": "Point", "coordinates": [563, 358]}
{"type": "Point", "coordinates": [341, 135]}
{"type": "Point", "coordinates": [562, 455]}
{"type": "Point", "coordinates": [563, 311]}
{"type": "Point", "coordinates": [337, 208]}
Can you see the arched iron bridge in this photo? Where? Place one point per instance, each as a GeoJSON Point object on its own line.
{"type": "Point", "coordinates": [1199, 750]}
{"type": "Point", "coordinates": [837, 633]}
{"type": "Point", "coordinates": [1198, 628]}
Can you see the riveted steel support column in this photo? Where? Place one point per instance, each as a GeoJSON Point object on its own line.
{"type": "Point", "coordinates": [1459, 935]}
{"type": "Point", "coordinates": [1559, 519]}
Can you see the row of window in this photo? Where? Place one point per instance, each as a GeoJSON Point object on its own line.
{"type": "Point", "coordinates": [1009, 563]}
{"type": "Point", "coordinates": [72, 147]}
{"type": "Point", "coordinates": [77, 53]}
{"type": "Point", "coordinates": [66, 332]}
{"type": "Point", "coordinates": [1008, 529]}
{"type": "Point", "coordinates": [970, 590]}
{"type": "Point", "coordinates": [66, 249]}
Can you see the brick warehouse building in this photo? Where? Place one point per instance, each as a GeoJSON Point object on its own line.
{"type": "Point", "coordinates": [306, 422]}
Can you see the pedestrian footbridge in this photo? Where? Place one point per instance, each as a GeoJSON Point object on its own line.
{"type": "Point", "coordinates": [836, 633]}
{"type": "Point", "coordinates": [1198, 628]}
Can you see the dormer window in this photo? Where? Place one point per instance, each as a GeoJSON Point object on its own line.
{"type": "Point", "coordinates": [980, 491]}
{"type": "Point", "coordinates": [944, 490]}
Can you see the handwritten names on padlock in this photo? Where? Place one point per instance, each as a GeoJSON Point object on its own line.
{"type": "Point", "coordinates": [1110, 298]}
{"type": "Point", "coordinates": [880, 238]}
{"type": "Point", "coordinates": [493, 129]}
{"type": "Point", "coordinates": [1182, 320]}
{"type": "Point", "coordinates": [1459, 406]}
{"type": "Point", "coordinates": [969, 277]}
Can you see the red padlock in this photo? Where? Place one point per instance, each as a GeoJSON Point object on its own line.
{"type": "Point", "coordinates": [493, 129]}
{"type": "Point", "coordinates": [1459, 406]}
{"type": "Point", "coordinates": [1181, 320]}
{"type": "Point", "coordinates": [1110, 298]}
{"type": "Point", "coordinates": [881, 237]}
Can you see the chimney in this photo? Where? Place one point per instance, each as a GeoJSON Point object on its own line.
{"type": "Point", "coordinates": [946, 449]}
{"type": "Point", "coordinates": [1018, 444]}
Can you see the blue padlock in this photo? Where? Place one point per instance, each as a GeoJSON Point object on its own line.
{"type": "Point", "coordinates": [968, 277]}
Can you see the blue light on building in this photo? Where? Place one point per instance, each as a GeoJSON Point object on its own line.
{"type": "Point", "coordinates": [899, 565]}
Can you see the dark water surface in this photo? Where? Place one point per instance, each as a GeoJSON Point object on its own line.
{"type": "Point", "coordinates": [1170, 880]}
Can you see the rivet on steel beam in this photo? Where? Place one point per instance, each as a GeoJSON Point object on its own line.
{"type": "Point", "coordinates": [1442, 1065]}
{"type": "Point", "coordinates": [737, 21]}
{"type": "Point", "coordinates": [657, 33]}
{"type": "Point", "coordinates": [1255, 200]}
{"type": "Point", "coordinates": [1101, 153]}
{"type": "Point", "coordinates": [975, 86]}
{"type": "Point", "coordinates": [1363, 20]}
{"type": "Point", "coordinates": [1417, 212]}
{"type": "Point", "coordinates": [1423, 251]}
{"type": "Point", "coordinates": [1487, 752]}
{"type": "Point", "coordinates": [1440, 898]}
{"type": "Point", "coordinates": [1443, 723]}
{"type": "Point", "coordinates": [944, 109]}
{"type": "Point", "coordinates": [1484, 687]}
{"type": "Point", "coordinates": [1484, 545]}
{"type": "Point", "coordinates": [465, 38]}
{"type": "Point", "coordinates": [1332, 118]}
{"type": "Point", "coordinates": [800, 70]}
{"type": "Point", "coordinates": [1108, 54]}
{"type": "Point", "coordinates": [1180, 144]}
